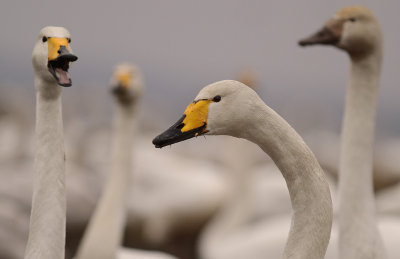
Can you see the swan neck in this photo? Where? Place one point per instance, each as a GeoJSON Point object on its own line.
{"type": "Point", "coordinates": [309, 191]}
{"type": "Point", "coordinates": [48, 215]}
{"type": "Point", "coordinates": [104, 233]}
{"type": "Point", "coordinates": [356, 157]}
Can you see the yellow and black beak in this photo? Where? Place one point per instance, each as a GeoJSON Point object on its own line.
{"type": "Point", "coordinates": [123, 83]}
{"type": "Point", "coordinates": [192, 124]}
{"type": "Point", "coordinates": [59, 57]}
{"type": "Point", "coordinates": [121, 86]}
{"type": "Point", "coordinates": [330, 34]}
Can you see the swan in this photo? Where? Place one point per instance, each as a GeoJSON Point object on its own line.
{"type": "Point", "coordinates": [51, 57]}
{"type": "Point", "coordinates": [356, 30]}
{"type": "Point", "coordinates": [103, 236]}
{"type": "Point", "coordinates": [230, 108]}
{"type": "Point", "coordinates": [239, 229]}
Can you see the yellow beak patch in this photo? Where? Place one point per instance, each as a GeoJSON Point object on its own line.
{"type": "Point", "coordinates": [196, 115]}
{"type": "Point", "coordinates": [54, 45]}
{"type": "Point", "coordinates": [124, 79]}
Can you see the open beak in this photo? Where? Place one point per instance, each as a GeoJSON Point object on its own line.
{"type": "Point", "coordinates": [330, 34]}
{"type": "Point", "coordinates": [58, 60]}
{"type": "Point", "coordinates": [192, 124]}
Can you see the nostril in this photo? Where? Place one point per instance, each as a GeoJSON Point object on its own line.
{"type": "Point", "coordinates": [180, 126]}
{"type": "Point", "coordinates": [62, 49]}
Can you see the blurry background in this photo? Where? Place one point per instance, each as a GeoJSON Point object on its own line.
{"type": "Point", "coordinates": [180, 46]}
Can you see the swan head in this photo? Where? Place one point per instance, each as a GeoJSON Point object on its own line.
{"type": "Point", "coordinates": [126, 83]}
{"type": "Point", "coordinates": [52, 55]}
{"type": "Point", "coordinates": [353, 29]}
{"type": "Point", "coordinates": [221, 108]}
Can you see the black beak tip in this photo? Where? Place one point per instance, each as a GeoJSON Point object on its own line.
{"type": "Point", "coordinates": [163, 140]}
{"type": "Point", "coordinates": [73, 58]}
{"type": "Point", "coordinates": [68, 57]}
{"type": "Point", "coordinates": [302, 43]}
{"type": "Point", "coordinates": [118, 89]}
{"type": "Point", "coordinates": [174, 134]}
{"type": "Point", "coordinates": [308, 41]}
{"type": "Point", "coordinates": [156, 142]}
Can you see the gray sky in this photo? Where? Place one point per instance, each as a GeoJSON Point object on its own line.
{"type": "Point", "coordinates": [185, 45]}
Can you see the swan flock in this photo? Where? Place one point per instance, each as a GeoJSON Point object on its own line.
{"type": "Point", "coordinates": [310, 226]}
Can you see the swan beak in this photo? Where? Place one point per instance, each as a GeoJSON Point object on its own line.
{"type": "Point", "coordinates": [192, 124]}
{"type": "Point", "coordinates": [122, 82]}
{"type": "Point", "coordinates": [58, 60]}
{"type": "Point", "coordinates": [120, 87]}
{"type": "Point", "coordinates": [124, 79]}
{"type": "Point", "coordinates": [330, 34]}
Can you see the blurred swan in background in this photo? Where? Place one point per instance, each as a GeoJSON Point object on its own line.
{"type": "Point", "coordinates": [51, 57]}
{"type": "Point", "coordinates": [216, 111]}
{"type": "Point", "coordinates": [104, 234]}
{"type": "Point", "coordinates": [356, 30]}
{"type": "Point", "coordinates": [166, 201]}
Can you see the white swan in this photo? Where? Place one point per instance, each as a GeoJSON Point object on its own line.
{"type": "Point", "coordinates": [231, 108]}
{"type": "Point", "coordinates": [356, 30]}
{"type": "Point", "coordinates": [103, 236]}
{"type": "Point", "coordinates": [258, 194]}
{"type": "Point", "coordinates": [51, 57]}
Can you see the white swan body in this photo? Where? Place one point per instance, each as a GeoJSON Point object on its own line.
{"type": "Point", "coordinates": [388, 226]}
{"type": "Point", "coordinates": [103, 236]}
{"type": "Point", "coordinates": [231, 108]}
{"type": "Point", "coordinates": [51, 55]}
{"type": "Point", "coordinates": [356, 30]}
{"type": "Point", "coordinates": [125, 253]}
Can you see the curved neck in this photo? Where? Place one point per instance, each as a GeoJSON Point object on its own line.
{"type": "Point", "coordinates": [356, 195]}
{"type": "Point", "coordinates": [309, 191]}
{"type": "Point", "coordinates": [105, 230]}
{"type": "Point", "coordinates": [47, 224]}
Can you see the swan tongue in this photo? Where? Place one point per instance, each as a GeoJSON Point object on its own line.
{"type": "Point", "coordinates": [63, 76]}
{"type": "Point", "coordinates": [59, 67]}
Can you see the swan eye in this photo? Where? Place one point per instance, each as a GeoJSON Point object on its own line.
{"type": "Point", "coordinates": [69, 40]}
{"type": "Point", "coordinates": [352, 19]}
{"type": "Point", "coordinates": [44, 39]}
{"type": "Point", "coordinates": [216, 98]}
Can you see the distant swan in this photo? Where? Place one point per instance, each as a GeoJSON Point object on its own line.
{"type": "Point", "coordinates": [104, 234]}
{"type": "Point", "coordinates": [356, 30]}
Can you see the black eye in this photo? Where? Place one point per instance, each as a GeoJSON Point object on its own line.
{"type": "Point", "coordinates": [216, 98]}
{"type": "Point", "coordinates": [69, 40]}
{"type": "Point", "coordinates": [44, 39]}
{"type": "Point", "coordinates": [352, 19]}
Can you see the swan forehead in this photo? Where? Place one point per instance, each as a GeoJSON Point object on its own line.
{"type": "Point", "coordinates": [354, 11]}
{"type": "Point", "coordinates": [52, 31]}
{"type": "Point", "coordinates": [222, 88]}
{"type": "Point", "coordinates": [125, 68]}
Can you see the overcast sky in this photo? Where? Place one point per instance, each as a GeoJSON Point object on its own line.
{"type": "Point", "coordinates": [185, 45]}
